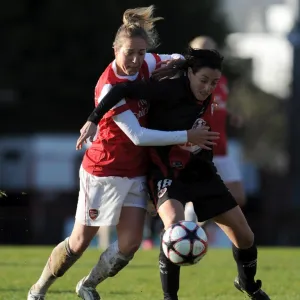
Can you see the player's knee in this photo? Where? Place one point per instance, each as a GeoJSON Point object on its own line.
{"type": "Point", "coordinates": [81, 237]}
{"type": "Point", "coordinates": [171, 212]}
{"type": "Point", "coordinates": [78, 244]}
{"type": "Point", "coordinates": [128, 246]}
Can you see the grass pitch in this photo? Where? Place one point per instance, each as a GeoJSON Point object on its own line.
{"type": "Point", "coordinates": [211, 279]}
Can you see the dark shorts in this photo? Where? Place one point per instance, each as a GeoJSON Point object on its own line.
{"type": "Point", "coordinates": [198, 183]}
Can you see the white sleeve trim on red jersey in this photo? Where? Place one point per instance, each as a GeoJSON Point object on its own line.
{"type": "Point", "coordinates": [128, 77]}
{"type": "Point", "coordinates": [151, 61]}
{"type": "Point", "coordinates": [106, 88]}
{"type": "Point", "coordinates": [142, 136]}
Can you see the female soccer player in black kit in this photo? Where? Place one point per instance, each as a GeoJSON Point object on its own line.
{"type": "Point", "coordinates": [183, 173]}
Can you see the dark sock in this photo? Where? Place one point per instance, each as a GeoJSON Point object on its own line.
{"type": "Point", "coordinates": [169, 276]}
{"type": "Point", "coordinates": [246, 260]}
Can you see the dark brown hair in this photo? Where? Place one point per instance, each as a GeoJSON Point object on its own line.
{"type": "Point", "coordinates": [197, 59]}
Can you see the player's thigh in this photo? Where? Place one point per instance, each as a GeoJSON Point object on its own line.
{"type": "Point", "coordinates": [235, 226]}
{"type": "Point", "coordinates": [132, 219]}
{"type": "Point", "coordinates": [171, 197]}
{"type": "Point", "coordinates": [101, 199]}
{"type": "Point", "coordinates": [237, 190]}
{"type": "Point", "coordinates": [130, 229]}
{"type": "Point", "coordinates": [171, 211]}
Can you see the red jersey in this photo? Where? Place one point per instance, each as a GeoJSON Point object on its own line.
{"type": "Point", "coordinates": [113, 153]}
{"type": "Point", "coordinates": [217, 116]}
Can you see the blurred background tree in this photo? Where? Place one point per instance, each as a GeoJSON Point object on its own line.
{"type": "Point", "coordinates": [54, 51]}
{"type": "Point", "coordinates": [264, 132]}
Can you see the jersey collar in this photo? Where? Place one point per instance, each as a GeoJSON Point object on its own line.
{"type": "Point", "coordinates": [131, 77]}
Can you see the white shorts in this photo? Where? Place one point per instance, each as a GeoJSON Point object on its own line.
{"type": "Point", "coordinates": [227, 168]}
{"type": "Point", "coordinates": [101, 198]}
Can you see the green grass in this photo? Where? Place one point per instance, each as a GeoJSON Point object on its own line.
{"type": "Point", "coordinates": [211, 279]}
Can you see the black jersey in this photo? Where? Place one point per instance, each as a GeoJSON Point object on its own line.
{"type": "Point", "coordinates": [171, 100]}
{"type": "Point", "coordinates": [179, 113]}
{"type": "Point", "coordinates": [172, 107]}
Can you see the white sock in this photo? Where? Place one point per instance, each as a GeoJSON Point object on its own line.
{"type": "Point", "coordinates": [189, 213]}
{"type": "Point", "coordinates": [110, 263]}
{"type": "Point", "coordinates": [61, 259]}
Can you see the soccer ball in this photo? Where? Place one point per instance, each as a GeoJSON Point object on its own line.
{"type": "Point", "coordinates": [184, 243]}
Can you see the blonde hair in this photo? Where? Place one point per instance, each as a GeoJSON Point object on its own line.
{"type": "Point", "coordinates": [203, 42]}
{"type": "Point", "coordinates": [138, 22]}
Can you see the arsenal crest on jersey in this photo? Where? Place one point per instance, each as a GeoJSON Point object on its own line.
{"type": "Point", "coordinates": [93, 213]}
{"type": "Point", "coordinates": [162, 192]}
